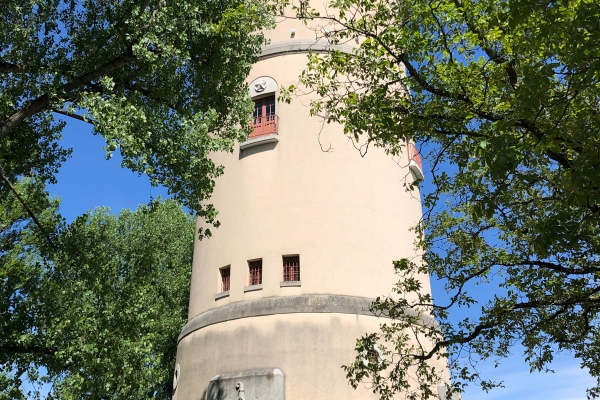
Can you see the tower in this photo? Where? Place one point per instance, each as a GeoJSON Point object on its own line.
{"type": "Point", "coordinates": [309, 230]}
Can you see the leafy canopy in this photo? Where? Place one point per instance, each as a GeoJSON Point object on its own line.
{"type": "Point", "coordinates": [503, 98]}
{"type": "Point", "coordinates": [161, 80]}
{"type": "Point", "coordinates": [101, 315]}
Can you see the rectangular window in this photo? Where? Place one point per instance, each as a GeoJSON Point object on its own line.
{"type": "Point", "coordinates": [291, 268]}
{"type": "Point", "coordinates": [225, 279]}
{"type": "Point", "coordinates": [255, 269]}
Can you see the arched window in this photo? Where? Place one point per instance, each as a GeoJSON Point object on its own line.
{"type": "Point", "coordinates": [265, 121]}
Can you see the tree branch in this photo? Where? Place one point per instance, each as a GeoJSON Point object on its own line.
{"type": "Point", "coordinates": [14, 68]}
{"type": "Point", "coordinates": [589, 298]}
{"type": "Point", "coordinates": [43, 101]}
{"type": "Point", "coordinates": [16, 349]}
{"type": "Point", "coordinates": [554, 267]}
{"type": "Point", "coordinates": [72, 115]}
{"type": "Point", "coordinates": [26, 207]}
{"type": "Point", "coordinates": [147, 93]}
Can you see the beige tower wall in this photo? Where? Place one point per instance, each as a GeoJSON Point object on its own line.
{"type": "Point", "coordinates": [345, 215]}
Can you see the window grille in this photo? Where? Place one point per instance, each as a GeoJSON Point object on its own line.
{"type": "Point", "coordinates": [225, 280]}
{"type": "Point", "coordinates": [291, 268]}
{"type": "Point", "coordinates": [255, 268]}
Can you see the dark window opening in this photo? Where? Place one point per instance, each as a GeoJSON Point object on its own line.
{"type": "Point", "coordinates": [225, 279]}
{"type": "Point", "coordinates": [291, 268]}
{"type": "Point", "coordinates": [255, 269]}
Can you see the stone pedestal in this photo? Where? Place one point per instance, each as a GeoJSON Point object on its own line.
{"type": "Point", "coordinates": [256, 384]}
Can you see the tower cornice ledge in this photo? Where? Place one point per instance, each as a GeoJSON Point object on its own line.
{"type": "Point", "coordinates": [306, 303]}
{"type": "Point", "coordinates": [303, 46]}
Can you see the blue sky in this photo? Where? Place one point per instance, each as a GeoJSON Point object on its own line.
{"type": "Point", "coordinates": [88, 180]}
{"type": "Point", "coordinates": [568, 382]}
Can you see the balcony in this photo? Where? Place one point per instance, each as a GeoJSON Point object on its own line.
{"type": "Point", "coordinates": [414, 162]}
{"type": "Point", "coordinates": [264, 126]}
{"type": "Point", "coordinates": [264, 131]}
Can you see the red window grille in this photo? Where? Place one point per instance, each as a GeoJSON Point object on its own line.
{"type": "Point", "coordinates": [291, 268]}
{"type": "Point", "coordinates": [255, 268]}
{"type": "Point", "coordinates": [264, 119]}
{"type": "Point", "coordinates": [225, 280]}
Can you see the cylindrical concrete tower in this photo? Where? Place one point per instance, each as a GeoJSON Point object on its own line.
{"type": "Point", "coordinates": [309, 230]}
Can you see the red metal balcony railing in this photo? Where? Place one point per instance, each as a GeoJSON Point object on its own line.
{"type": "Point", "coordinates": [264, 125]}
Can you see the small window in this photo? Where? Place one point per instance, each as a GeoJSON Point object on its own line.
{"type": "Point", "coordinates": [225, 279]}
{"type": "Point", "coordinates": [291, 268]}
{"type": "Point", "coordinates": [255, 269]}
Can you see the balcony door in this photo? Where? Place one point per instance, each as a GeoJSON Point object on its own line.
{"type": "Point", "coordinates": [264, 108]}
{"type": "Point", "coordinates": [264, 119]}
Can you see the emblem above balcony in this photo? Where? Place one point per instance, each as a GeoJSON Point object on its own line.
{"type": "Point", "coordinates": [260, 86]}
{"type": "Point", "coordinates": [263, 85]}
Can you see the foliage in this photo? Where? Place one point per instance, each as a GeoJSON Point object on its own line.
{"type": "Point", "coordinates": [503, 98]}
{"type": "Point", "coordinates": [101, 315]}
{"type": "Point", "coordinates": [18, 235]}
{"type": "Point", "coordinates": [161, 80]}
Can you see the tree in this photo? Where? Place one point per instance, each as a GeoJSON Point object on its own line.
{"type": "Point", "coordinates": [503, 99]}
{"type": "Point", "coordinates": [102, 313]}
{"type": "Point", "coordinates": [20, 276]}
{"type": "Point", "coordinates": [161, 80]}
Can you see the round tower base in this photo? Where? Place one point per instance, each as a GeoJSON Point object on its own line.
{"type": "Point", "coordinates": [308, 348]}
